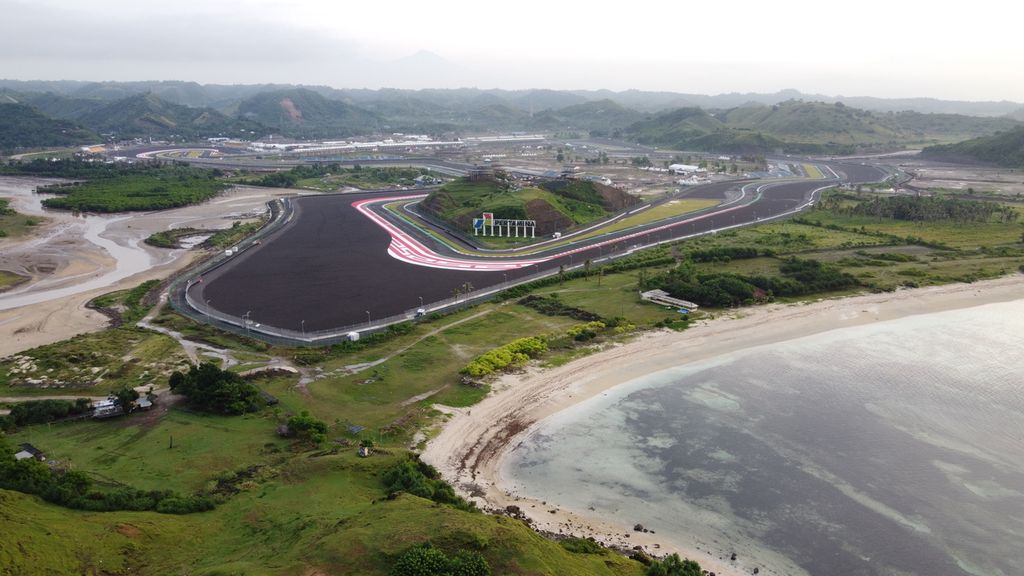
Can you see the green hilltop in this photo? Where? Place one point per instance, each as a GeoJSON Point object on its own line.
{"type": "Point", "coordinates": [1003, 149]}
{"type": "Point", "coordinates": [804, 127]}
{"type": "Point", "coordinates": [22, 126]}
{"type": "Point", "coordinates": [556, 204]}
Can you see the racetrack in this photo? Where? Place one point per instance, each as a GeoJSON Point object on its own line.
{"type": "Point", "coordinates": [330, 264]}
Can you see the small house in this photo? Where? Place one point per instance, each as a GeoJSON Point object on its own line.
{"type": "Point", "coordinates": [144, 403]}
{"type": "Point", "coordinates": [26, 451]}
{"type": "Point", "coordinates": [364, 451]}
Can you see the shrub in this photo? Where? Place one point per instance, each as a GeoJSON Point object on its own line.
{"type": "Point", "coordinates": [672, 565]}
{"type": "Point", "coordinates": [308, 428]}
{"type": "Point", "coordinates": [42, 411]}
{"type": "Point", "coordinates": [583, 546]}
{"type": "Point", "coordinates": [420, 479]}
{"type": "Point", "coordinates": [426, 560]}
{"type": "Point", "coordinates": [210, 389]}
{"type": "Point", "coordinates": [515, 353]}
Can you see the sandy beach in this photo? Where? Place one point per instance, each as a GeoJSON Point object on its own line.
{"type": "Point", "coordinates": [470, 448]}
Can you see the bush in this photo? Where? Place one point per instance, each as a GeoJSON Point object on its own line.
{"type": "Point", "coordinates": [515, 353]}
{"type": "Point", "coordinates": [420, 479]}
{"type": "Point", "coordinates": [583, 546]}
{"type": "Point", "coordinates": [42, 411]}
{"type": "Point", "coordinates": [672, 565]}
{"type": "Point", "coordinates": [210, 389]}
{"type": "Point", "coordinates": [426, 560]}
{"type": "Point", "coordinates": [308, 428]}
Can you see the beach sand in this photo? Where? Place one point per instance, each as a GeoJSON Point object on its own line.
{"type": "Point", "coordinates": [472, 444]}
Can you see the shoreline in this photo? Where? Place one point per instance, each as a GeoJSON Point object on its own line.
{"type": "Point", "coordinates": [474, 442]}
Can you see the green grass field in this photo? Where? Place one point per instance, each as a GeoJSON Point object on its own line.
{"type": "Point", "coordinates": [303, 512]}
{"type": "Point", "coordinates": [15, 225]}
{"type": "Point", "coordinates": [952, 234]}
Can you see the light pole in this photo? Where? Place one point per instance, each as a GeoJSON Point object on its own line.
{"type": "Point", "coordinates": [303, 328]}
{"type": "Point", "coordinates": [247, 317]}
{"type": "Point", "coordinates": [367, 318]}
{"type": "Point", "coordinates": [421, 301]}
{"type": "Point", "coordinates": [505, 276]}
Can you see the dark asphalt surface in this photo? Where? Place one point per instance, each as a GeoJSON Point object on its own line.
{"type": "Point", "coordinates": [329, 266]}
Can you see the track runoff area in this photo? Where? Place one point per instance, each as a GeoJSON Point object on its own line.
{"type": "Point", "coordinates": [343, 263]}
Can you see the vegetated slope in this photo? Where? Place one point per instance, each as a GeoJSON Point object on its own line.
{"type": "Point", "coordinates": [58, 105]}
{"type": "Point", "coordinates": [148, 115]}
{"type": "Point", "coordinates": [329, 517]}
{"type": "Point", "coordinates": [675, 127]}
{"type": "Point", "coordinates": [301, 112]}
{"type": "Point", "coordinates": [556, 205]}
{"type": "Point", "coordinates": [804, 127]}
{"type": "Point", "coordinates": [22, 126]}
{"type": "Point", "coordinates": [1004, 149]}
{"type": "Point", "coordinates": [599, 118]}
{"type": "Point", "coordinates": [943, 128]}
{"type": "Point", "coordinates": [813, 123]}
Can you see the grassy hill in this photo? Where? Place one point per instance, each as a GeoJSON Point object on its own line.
{"type": "Point", "coordinates": [148, 115]}
{"type": "Point", "coordinates": [302, 112]}
{"type": "Point", "coordinates": [813, 123]}
{"type": "Point", "coordinates": [556, 205]}
{"type": "Point", "coordinates": [1004, 149]}
{"type": "Point", "coordinates": [327, 515]}
{"type": "Point", "coordinates": [22, 126]}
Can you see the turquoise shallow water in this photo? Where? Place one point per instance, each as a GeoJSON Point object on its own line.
{"type": "Point", "coordinates": [893, 448]}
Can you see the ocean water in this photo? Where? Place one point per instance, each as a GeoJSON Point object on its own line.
{"type": "Point", "coordinates": [888, 449]}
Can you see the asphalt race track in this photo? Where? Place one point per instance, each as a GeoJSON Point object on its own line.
{"type": "Point", "coordinates": [330, 264]}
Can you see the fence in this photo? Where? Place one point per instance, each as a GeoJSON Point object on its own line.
{"type": "Point", "coordinates": [184, 303]}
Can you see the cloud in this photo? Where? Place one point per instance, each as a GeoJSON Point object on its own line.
{"type": "Point", "coordinates": [40, 33]}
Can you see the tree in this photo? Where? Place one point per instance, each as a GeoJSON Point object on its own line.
{"type": "Point", "coordinates": [306, 427]}
{"type": "Point", "coordinates": [126, 398]}
{"type": "Point", "coordinates": [210, 389]}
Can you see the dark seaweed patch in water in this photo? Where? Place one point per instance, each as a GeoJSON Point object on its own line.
{"type": "Point", "coordinates": [804, 517]}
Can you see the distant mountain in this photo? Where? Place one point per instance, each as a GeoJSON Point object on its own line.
{"type": "Point", "coordinates": [676, 128]}
{"type": "Point", "coordinates": [144, 115]}
{"type": "Point", "coordinates": [22, 126]}
{"type": "Point", "coordinates": [599, 118]}
{"type": "Point", "coordinates": [537, 100]}
{"type": "Point", "coordinates": [814, 123]}
{"type": "Point", "coordinates": [301, 112]}
{"type": "Point", "coordinates": [805, 127]}
{"type": "Point", "coordinates": [59, 105]}
{"type": "Point", "coordinates": [1017, 114]}
{"type": "Point", "coordinates": [1004, 149]}
{"type": "Point", "coordinates": [428, 67]}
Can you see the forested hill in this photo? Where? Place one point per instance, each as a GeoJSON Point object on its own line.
{"type": "Point", "coordinates": [1003, 149]}
{"type": "Point", "coordinates": [148, 115]}
{"type": "Point", "coordinates": [304, 112]}
{"type": "Point", "coordinates": [805, 127]}
{"type": "Point", "coordinates": [22, 126]}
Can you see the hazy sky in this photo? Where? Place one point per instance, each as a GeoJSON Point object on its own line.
{"type": "Point", "coordinates": [890, 48]}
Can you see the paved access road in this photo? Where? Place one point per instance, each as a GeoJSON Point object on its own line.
{"type": "Point", "coordinates": [330, 265]}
